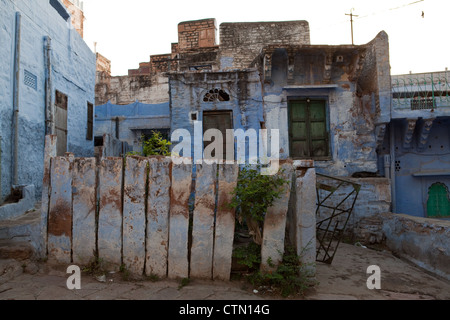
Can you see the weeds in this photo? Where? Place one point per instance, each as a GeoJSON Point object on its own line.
{"type": "Point", "coordinates": [184, 282]}
{"type": "Point", "coordinates": [291, 277]}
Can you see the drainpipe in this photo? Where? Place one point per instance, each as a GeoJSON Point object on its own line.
{"type": "Point", "coordinates": [49, 112]}
{"type": "Point", "coordinates": [16, 86]}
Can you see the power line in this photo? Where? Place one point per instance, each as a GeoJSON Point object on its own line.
{"type": "Point", "coordinates": [351, 22]}
{"type": "Point", "coordinates": [391, 9]}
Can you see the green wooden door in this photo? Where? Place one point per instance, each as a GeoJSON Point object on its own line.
{"type": "Point", "coordinates": [438, 204]}
{"type": "Point", "coordinates": [308, 130]}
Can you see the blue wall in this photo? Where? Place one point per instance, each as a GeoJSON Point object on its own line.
{"type": "Point", "coordinates": [188, 90]}
{"type": "Point", "coordinates": [73, 74]}
{"type": "Point", "coordinates": [133, 119]}
{"type": "Point", "coordinates": [417, 170]}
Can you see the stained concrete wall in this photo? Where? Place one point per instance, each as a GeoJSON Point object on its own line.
{"type": "Point", "coordinates": [123, 90]}
{"type": "Point", "coordinates": [73, 73]}
{"type": "Point", "coordinates": [423, 241]}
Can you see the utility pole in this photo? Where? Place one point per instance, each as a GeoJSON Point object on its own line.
{"type": "Point", "coordinates": [351, 21]}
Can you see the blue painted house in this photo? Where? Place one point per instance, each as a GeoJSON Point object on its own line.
{"type": "Point", "coordinates": [47, 86]}
{"type": "Point", "coordinates": [420, 144]}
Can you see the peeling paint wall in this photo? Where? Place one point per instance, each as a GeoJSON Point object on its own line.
{"type": "Point", "coordinates": [424, 242]}
{"type": "Point", "coordinates": [356, 93]}
{"type": "Point", "coordinates": [123, 90]}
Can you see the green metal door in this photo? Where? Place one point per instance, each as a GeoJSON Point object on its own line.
{"type": "Point", "coordinates": [438, 204]}
{"type": "Point", "coordinates": [308, 129]}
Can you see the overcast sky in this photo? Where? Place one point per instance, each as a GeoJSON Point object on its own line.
{"type": "Point", "coordinates": [129, 31]}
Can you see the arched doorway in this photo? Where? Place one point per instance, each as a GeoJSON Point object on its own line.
{"type": "Point", "coordinates": [438, 204]}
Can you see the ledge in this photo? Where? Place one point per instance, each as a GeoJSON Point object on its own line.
{"type": "Point", "coordinates": [319, 86]}
{"type": "Point", "coordinates": [431, 173]}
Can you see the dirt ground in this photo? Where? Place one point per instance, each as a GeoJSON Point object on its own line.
{"type": "Point", "coordinates": [344, 279]}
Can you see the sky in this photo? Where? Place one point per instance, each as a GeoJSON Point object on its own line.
{"type": "Point", "coordinates": [128, 32]}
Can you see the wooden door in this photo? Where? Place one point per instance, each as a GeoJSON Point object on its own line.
{"type": "Point", "coordinates": [220, 120]}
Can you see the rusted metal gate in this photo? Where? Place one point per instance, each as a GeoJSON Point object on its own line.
{"type": "Point", "coordinates": [336, 199]}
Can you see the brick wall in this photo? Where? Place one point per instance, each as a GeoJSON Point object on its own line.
{"type": "Point", "coordinates": [103, 64]}
{"type": "Point", "coordinates": [77, 16]}
{"type": "Point", "coordinates": [144, 69]}
{"type": "Point", "coordinates": [197, 34]}
{"type": "Point", "coordinates": [240, 43]}
{"type": "Point", "coordinates": [160, 63]}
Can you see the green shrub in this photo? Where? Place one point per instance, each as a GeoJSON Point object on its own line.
{"type": "Point", "coordinates": [154, 146]}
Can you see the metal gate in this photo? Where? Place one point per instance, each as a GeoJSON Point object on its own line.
{"type": "Point", "coordinates": [336, 199]}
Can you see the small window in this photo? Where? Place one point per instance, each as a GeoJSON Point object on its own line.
{"type": "Point", "coordinates": [216, 95]}
{"type": "Point", "coordinates": [90, 122]}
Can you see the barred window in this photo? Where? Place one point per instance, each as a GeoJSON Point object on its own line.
{"type": "Point", "coordinates": [216, 95]}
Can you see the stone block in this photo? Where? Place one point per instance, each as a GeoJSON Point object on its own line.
{"type": "Point", "coordinates": [134, 217]}
{"type": "Point", "coordinates": [304, 211]}
{"type": "Point", "coordinates": [110, 213]}
{"type": "Point", "coordinates": [203, 226]}
{"type": "Point", "coordinates": [60, 211]}
{"type": "Point", "coordinates": [225, 222]}
{"type": "Point", "coordinates": [84, 208]}
{"type": "Point", "coordinates": [275, 223]}
{"type": "Point", "coordinates": [178, 265]}
{"type": "Point", "coordinates": [158, 205]}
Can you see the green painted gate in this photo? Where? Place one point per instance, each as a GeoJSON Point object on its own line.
{"type": "Point", "coordinates": [438, 204]}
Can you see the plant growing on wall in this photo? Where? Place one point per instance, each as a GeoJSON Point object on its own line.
{"type": "Point", "coordinates": [253, 195]}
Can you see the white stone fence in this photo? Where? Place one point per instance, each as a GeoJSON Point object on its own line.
{"type": "Point", "coordinates": [134, 212]}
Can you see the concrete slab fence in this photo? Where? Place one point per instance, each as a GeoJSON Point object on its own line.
{"type": "Point", "coordinates": [135, 212]}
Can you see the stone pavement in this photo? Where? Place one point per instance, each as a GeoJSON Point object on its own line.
{"type": "Point", "coordinates": [345, 279]}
